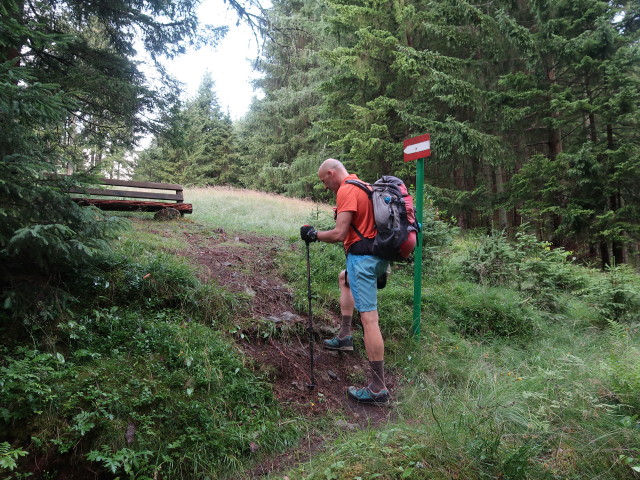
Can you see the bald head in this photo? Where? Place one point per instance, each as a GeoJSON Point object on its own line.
{"type": "Point", "coordinates": [331, 164]}
{"type": "Point", "coordinates": [332, 173]}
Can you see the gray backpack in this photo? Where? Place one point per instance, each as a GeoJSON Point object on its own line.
{"type": "Point", "coordinates": [394, 218]}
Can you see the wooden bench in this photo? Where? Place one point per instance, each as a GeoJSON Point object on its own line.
{"type": "Point", "coordinates": [154, 200]}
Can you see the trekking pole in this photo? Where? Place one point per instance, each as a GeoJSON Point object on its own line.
{"type": "Point", "coordinates": [310, 327]}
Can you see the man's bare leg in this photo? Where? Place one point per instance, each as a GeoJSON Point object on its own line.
{"type": "Point", "coordinates": [374, 345]}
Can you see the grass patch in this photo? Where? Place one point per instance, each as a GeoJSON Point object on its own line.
{"type": "Point", "coordinates": [247, 210]}
{"type": "Point", "coordinates": [476, 310]}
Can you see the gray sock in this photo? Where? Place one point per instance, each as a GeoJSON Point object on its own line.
{"type": "Point", "coordinates": [377, 376]}
{"type": "Point", "coordinates": [345, 326]}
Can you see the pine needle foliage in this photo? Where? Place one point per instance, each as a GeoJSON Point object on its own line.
{"type": "Point", "coordinates": [532, 108]}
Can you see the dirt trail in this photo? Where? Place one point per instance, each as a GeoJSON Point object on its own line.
{"type": "Point", "coordinates": [244, 263]}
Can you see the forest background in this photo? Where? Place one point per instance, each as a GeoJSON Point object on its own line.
{"type": "Point", "coordinates": [532, 108]}
{"type": "Point", "coordinates": [532, 105]}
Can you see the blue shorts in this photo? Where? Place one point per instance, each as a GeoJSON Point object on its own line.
{"type": "Point", "coordinates": [362, 273]}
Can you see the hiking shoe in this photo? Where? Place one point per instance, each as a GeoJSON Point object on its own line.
{"type": "Point", "coordinates": [344, 344]}
{"type": "Point", "coordinates": [365, 395]}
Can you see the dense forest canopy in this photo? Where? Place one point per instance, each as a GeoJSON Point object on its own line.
{"type": "Point", "coordinates": [532, 107]}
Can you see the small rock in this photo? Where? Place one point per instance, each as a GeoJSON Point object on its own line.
{"type": "Point", "coordinates": [346, 425]}
{"type": "Point", "coordinates": [333, 375]}
{"type": "Point", "coordinates": [167, 214]}
{"type": "Point", "coordinates": [130, 433]}
{"type": "Point", "coordinates": [289, 317]}
{"type": "Point", "coordinates": [249, 291]}
{"type": "Point", "coordinates": [274, 319]}
{"type": "Point", "coordinates": [254, 447]}
{"type": "Point", "coordinates": [326, 330]}
{"type": "Point", "coordinates": [298, 385]}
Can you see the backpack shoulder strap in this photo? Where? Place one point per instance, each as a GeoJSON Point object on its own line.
{"type": "Point", "coordinates": [367, 189]}
{"type": "Point", "coordinates": [364, 186]}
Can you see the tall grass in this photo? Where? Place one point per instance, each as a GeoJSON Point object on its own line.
{"type": "Point", "coordinates": [264, 213]}
{"type": "Point", "coordinates": [514, 381]}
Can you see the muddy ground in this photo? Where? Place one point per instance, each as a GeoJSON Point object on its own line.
{"type": "Point", "coordinates": [245, 264]}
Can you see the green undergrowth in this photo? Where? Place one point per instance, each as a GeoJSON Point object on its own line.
{"type": "Point", "coordinates": [527, 366]}
{"type": "Point", "coordinates": [135, 377]}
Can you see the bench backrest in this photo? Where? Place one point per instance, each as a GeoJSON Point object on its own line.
{"type": "Point", "coordinates": [149, 193]}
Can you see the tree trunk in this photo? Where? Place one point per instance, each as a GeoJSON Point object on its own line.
{"type": "Point", "coordinates": [617, 245]}
{"type": "Point", "coordinates": [502, 214]}
{"type": "Point", "coordinates": [488, 178]}
{"type": "Point", "coordinates": [555, 148]}
{"type": "Point", "coordinates": [458, 179]}
{"type": "Point", "coordinates": [555, 134]}
{"type": "Point", "coordinates": [11, 54]}
{"type": "Point", "coordinates": [604, 255]}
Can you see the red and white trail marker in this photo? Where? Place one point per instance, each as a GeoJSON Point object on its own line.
{"type": "Point", "coordinates": [417, 147]}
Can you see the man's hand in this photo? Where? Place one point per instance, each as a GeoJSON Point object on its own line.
{"type": "Point", "coordinates": [308, 234]}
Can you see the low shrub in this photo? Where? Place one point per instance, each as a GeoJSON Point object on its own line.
{"type": "Point", "coordinates": [491, 261]}
{"type": "Point", "coordinates": [615, 294]}
{"type": "Point", "coordinates": [438, 233]}
{"type": "Point", "coordinates": [528, 265]}
{"type": "Point", "coordinates": [482, 311]}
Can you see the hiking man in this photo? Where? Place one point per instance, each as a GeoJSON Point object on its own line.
{"type": "Point", "coordinates": [359, 283]}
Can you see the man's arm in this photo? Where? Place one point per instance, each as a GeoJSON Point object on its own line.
{"type": "Point", "coordinates": [339, 232]}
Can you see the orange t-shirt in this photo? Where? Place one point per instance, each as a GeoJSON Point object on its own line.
{"type": "Point", "coordinates": [351, 198]}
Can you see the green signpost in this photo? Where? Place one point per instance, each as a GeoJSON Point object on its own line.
{"type": "Point", "coordinates": [417, 148]}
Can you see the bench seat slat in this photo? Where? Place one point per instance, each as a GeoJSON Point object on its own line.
{"type": "Point", "coordinates": [132, 183]}
{"type": "Point", "coordinates": [177, 197]}
{"type": "Point", "coordinates": [172, 197]}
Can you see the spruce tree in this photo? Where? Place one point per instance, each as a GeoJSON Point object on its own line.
{"type": "Point", "coordinates": [194, 145]}
{"type": "Point", "coordinates": [280, 140]}
{"type": "Point", "coordinates": [585, 80]}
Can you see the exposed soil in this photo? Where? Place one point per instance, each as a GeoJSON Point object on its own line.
{"type": "Point", "coordinates": [245, 263]}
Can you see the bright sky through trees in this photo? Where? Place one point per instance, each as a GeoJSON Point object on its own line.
{"type": "Point", "coordinates": [229, 63]}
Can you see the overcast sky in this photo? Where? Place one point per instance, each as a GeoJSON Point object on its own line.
{"type": "Point", "coordinates": [229, 63]}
